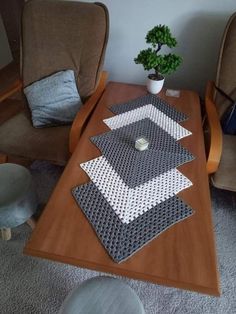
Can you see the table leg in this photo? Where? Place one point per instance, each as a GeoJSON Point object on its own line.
{"type": "Point", "coordinates": [6, 233]}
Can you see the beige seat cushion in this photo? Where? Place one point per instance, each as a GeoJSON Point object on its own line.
{"type": "Point", "coordinates": [19, 138]}
{"type": "Point", "coordinates": [225, 177]}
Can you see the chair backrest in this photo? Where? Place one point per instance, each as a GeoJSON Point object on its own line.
{"type": "Point", "coordinates": [61, 35]}
{"type": "Point", "coordinates": [226, 71]}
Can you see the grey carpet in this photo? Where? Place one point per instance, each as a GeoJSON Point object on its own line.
{"type": "Point", "coordinates": [32, 285]}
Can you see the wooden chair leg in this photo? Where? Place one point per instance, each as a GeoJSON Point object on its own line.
{"type": "Point", "coordinates": [31, 222]}
{"type": "Point", "coordinates": [3, 158]}
{"type": "Point", "coordinates": [6, 234]}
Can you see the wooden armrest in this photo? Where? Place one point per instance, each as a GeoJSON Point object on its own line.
{"type": "Point", "coordinates": [12, 89]}
{"type": "Point", "coordinates": [216, 139]}
{"type": "Point", "coordinates": [84, 113]}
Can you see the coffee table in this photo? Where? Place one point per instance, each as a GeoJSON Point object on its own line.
{"type": "Point", "coordinates": [184, 256]}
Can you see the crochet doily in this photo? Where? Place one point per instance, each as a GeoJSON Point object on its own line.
{"type": "Point", "coordinates": [154, 114]}
{"type": "Point", "coordinates": [121, 240]}
{"type": "Point", "coordinates": [164, 152]}
{"type": "Point", "coordinates": [129, 203]}
{"type": "Point", "coordinates": [157, 102]}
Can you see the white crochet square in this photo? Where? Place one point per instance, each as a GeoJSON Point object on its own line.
{"type": "Point", "coordinates": [154, 114]}
{"type": "Point", "coordinates": [129, 203]}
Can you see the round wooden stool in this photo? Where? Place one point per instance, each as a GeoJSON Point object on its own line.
{"type": "Point", "coordinates": [102, 295]}
{"type": "Point", "coordinates": [18, 201]}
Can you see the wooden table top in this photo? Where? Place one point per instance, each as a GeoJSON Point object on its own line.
{"type": "Point", "coordinates": [184, 256]}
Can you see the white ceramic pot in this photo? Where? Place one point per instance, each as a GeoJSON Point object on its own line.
{"type": "Point", "coordinates": [155, 86]}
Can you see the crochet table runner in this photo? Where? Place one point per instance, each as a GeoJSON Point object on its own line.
{"type": "Point", "coordinates": [132, 195]}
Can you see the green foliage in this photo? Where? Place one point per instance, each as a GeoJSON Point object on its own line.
{"type": "Point", "coordinates": [160, 35]}
{"type": "Point", "coordinates": [150, 59]}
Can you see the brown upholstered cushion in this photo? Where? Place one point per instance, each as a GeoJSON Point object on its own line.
{"type": "Point", "coordinates": [9, 108]}
{"type": "Point", "coordinates": [19, 138]}
{"type": "Point", "coordinates": [56, 35]}
{"type": "Point", "coordinates": [61, 35]}
{"type": "Point", "coordinates": [226, 72]}
{"type": "Point", "coordinates": [225, 177]}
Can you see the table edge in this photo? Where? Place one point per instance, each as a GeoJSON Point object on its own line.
{"type": "Point", "coordinates": [129, 274]}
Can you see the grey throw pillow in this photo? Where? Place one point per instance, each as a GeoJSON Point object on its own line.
{"type": "Point", "coordinates": [53, 100]}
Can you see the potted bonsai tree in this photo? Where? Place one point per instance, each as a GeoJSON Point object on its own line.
{"type": "Point", "coordinates": [150, 58]}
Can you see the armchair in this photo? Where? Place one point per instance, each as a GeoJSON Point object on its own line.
{"type": "Point", "coordinates": [221, 150]}
{"type": "Point", "coordinates": [56, 35]}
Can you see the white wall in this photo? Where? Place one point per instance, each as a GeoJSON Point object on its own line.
{"type": "Point", "coordinates": [197, 24]}
{"type": "Point", "coordinates": [5, 53]}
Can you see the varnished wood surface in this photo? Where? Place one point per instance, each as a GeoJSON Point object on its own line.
{"type": "Point", "coordinates": [183, 256]}
{"type": "Point", "coordinates": [9, 80]}
{"type": "Point", "coordinates": [216, 137]}
{"type": "Point", "coordinates": [15, 87]}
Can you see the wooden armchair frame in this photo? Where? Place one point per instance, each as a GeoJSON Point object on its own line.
{"type": "Point", "coordinates": [81, 117]}
{"type": "Point", "coordinates": [11, 90]}
{"type": "Point", "coordinates": [216, 138]}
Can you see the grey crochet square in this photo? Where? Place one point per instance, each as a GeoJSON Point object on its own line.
{"type": "Point", "coordinates": [122, 240]}
{"type": "Point", "coordinates": [156, 101]}
{"type": "Point", "coordinates": [133, 166]}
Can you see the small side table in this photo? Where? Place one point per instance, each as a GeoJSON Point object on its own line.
{"type": "Point", "coordinates": [18, 201]}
